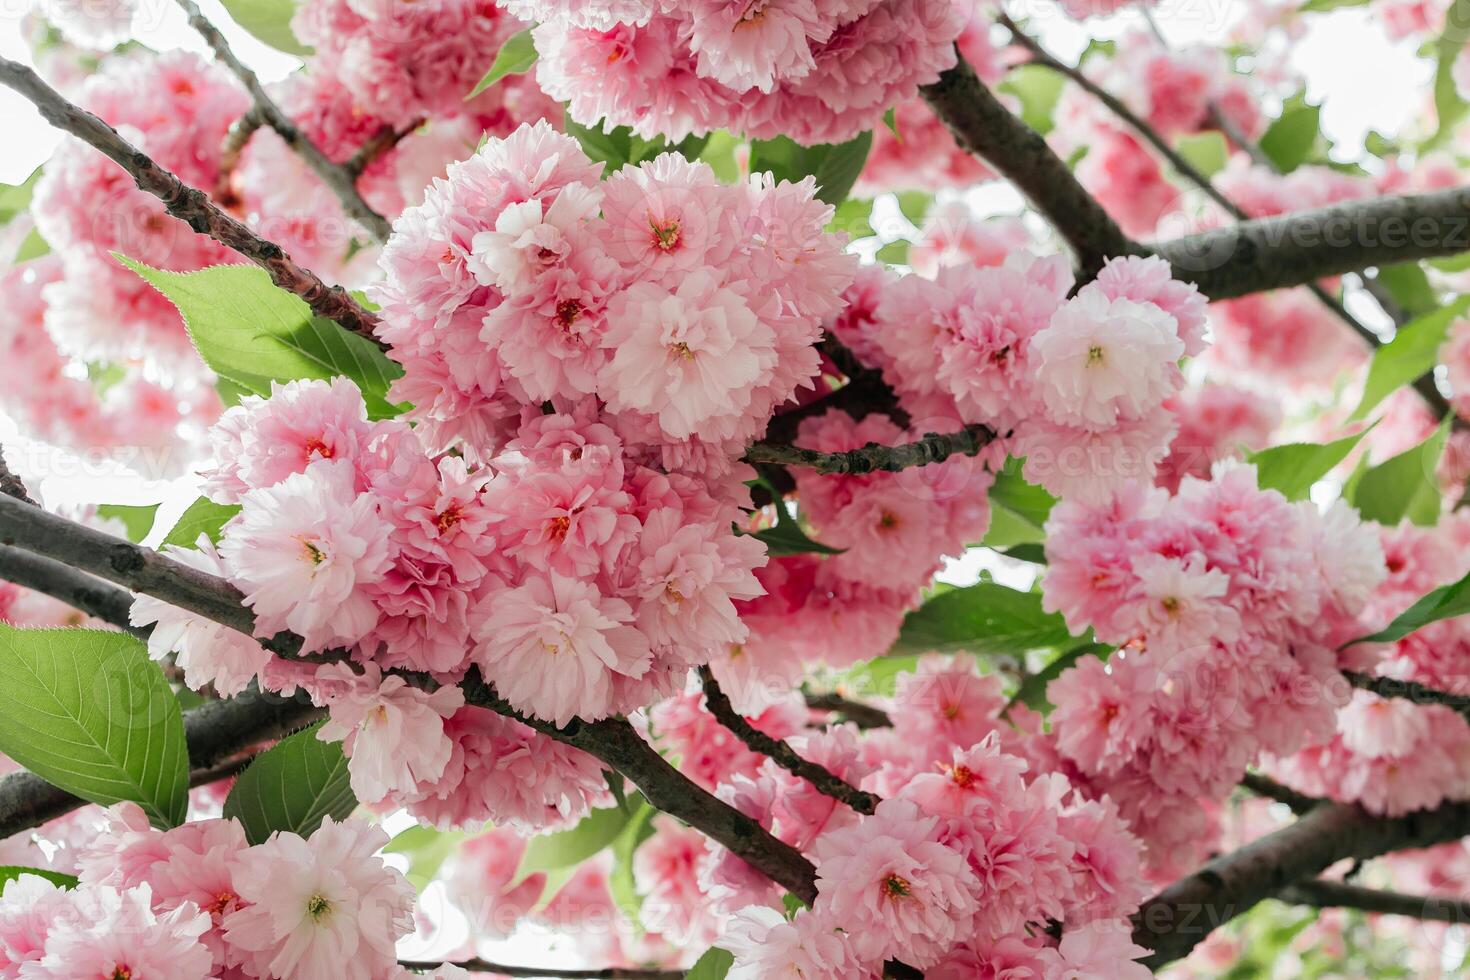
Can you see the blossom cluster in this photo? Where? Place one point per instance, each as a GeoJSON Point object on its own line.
{"type": "Point", "coordinates": [816, 72]}
{"type": "Point", "coordinates": [1076, 385]}
{"type": "Point", "coordinates": [980, 841]}
{"type": "Point", "coordinates": [198, 902]}
{"type": "Point", "coordinates": [1395, 755]}
{"type": "Point", "coordinates": [1226, 602]}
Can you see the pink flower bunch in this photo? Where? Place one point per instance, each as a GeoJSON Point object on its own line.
{"type": "Point", "coordinates": [198, 902]}
{"type": "Point", "coordinates": [1077, 386]}
{"type": "Point", "coordinates": [951, 235]}
{"type": "Point", "coordinates": [176, 108]}
{"type": "Point", "coordinates": [964, 860]}
{"type": "Point", "coordinates": [817, 72]}
{"type": "Point", "coordinates": [1393, 755]}
{"type": "Point", "coordinates": [403, 62]}
{"type": "Point", "coordinates": [522, 278]}
{"type": "Point", "coordinates": [1455, 355]}
{"type": "Point", "coordinates": [1215, 421]}
{"type": "Point", "coordinates": [1285, 337]}
{"type": "Point", "coordinates": [1173, 90]}
{"type": "Point", "coordinates": [1225, 602]}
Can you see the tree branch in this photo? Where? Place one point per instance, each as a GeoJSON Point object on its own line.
{"type": "Point", "coordinates": [12, 485]}
{"type": "Point", "coordinates": [986, 128]}
{"type": "Point", "coordinates": [1178, 918]}
{"type": "Point", "coordinates": [607, 973]}
{"type": "Point", "coordinates": [1392, 687]}
{"type": "Point", "coordinates": [341, 181]}
{"type": "Point", "coordinates": [190, 205]}
{"type": "Point", "coordinates": [932, 448]}
{"type": "Point", "coordinates": [862, 715]}
{"type": "Point", "coordinates": [140, 569]}
{"type": "Point", "coordinates": [1319, 893]}
{"type": "Point", "coordinates": [79, 590]}
{"type": "Point", "coordinates": [217, 733]}
{"type": "Point", "coordinates": [779, 752]}
{"type": "Point", "coordinates": [1302, 246]}
{"type": "Point", "coordinates": [379, 143]}
{"type": "Point", "coordinates": [1269, 788]}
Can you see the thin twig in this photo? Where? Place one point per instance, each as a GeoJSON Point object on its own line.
{"type": "Point", "coordinates": [934, 447]}
{"type": "Point", "coordinates": [189, 204]}
{"type": "Point", "coordinates": [341, 181]}
{"type": "Point", "coordinates": [236, 139]}
{"type": "Point", "coordinates": [1319, 893]}
{"type": "Point", "coordinates": [864, 716]}
{"type": "Point", "coordinates": [779, 752]}
{"type": "Point", "coordinates": [379, 143]}
{"type": "Point", "coordinates": [1269, 788]}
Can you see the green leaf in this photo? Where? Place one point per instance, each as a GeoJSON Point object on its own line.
{"type": "Point", "coordinates": [613, 149]}
{"type": "Point", "coordinates": [251, 332]}
{"type": "Point", "coordinates": [292, 787]}
{"type": "Point", "coordinates": [713, 965]}
{"type": "Point", "coordinates": [1289, 141]}
{"type": "Point", "coordinates": [1409, 287]}
{"type": "Point", "coordinates": [835, 166]}
{"type": "Point", "coordinates": [1413, 351]}
{"type": "Point", "coordinates": [33, 247]}
{"type": "Point", "coordinates": [9, 873]}
{"type": "Point", "coordinates": [852, 216]}
{"type": "Point", "coordinates": [203, 516]}
{"type": "Point", "coordinates": [983, 619]}
{"type": "Point", "coordinates": [1449, 108]}
{"type": "Point", "coordinates": [719, 153]}
{"type": "Point", "coordinates": [894, 253]}
{"type": "Point", "coordinates": [1293, 468]}
{"type": "Point", "coordinates": [621, 883]}
{"type": "Point", "coordinates": [787, 537]}
{"type": "Point", "coordinates": [137, 519]}
{"type": "Point", "coordinates": [1032, 692]}
{"type": "Point", "coordinates": [915, 205]}
{"type": "Point", "coordinates": [1317, 6]}
{"type": "Point", "coordinates": [268, 21]}
{"type": "Point", "coordinates": [88, 712]}
{"type": "Point", "coordinates": [890, 119]}
{"type": "Point", "coordinates": [16, 198]}
{"type": "Point", "coordinates": [793, 904]}
{"type": "Point", "coordinates": [1018, 510]}
{"type": "Point", "coordinates": [1445, 602]}
{"type": "Point", "coordinates": [1039, 89]}
{"type": "Point", "coordinates": [1206, 151]}
{"type": "Point", "coordinates": [515, 57]}
{"type": "Point", "coordinates": [426, 849]}
{"type": "Point", "coordinates": [1405, 486]}
{"type": "Point", "coordinates": [569, 848]}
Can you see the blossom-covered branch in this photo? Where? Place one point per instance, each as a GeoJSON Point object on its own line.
{"type": "Point", "coordinates": [784, 755]}
{"type": "Point", "coordinates": [217, 733]}
{"type": "Point", "coordinates": [1178, 918]}
{"type": "Point", "coordinates": [1320, 893]}
{"type": "Point", "coordinates": [340, 178]}
{"type": "Point", "coordinates": [190, 205]}
{"type": "Point", "coordinates": [985, 127]}
{"type": "Point", "coordinates": [932, 448]}
{"type": "Point", "coordinates": [1393, 687]}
